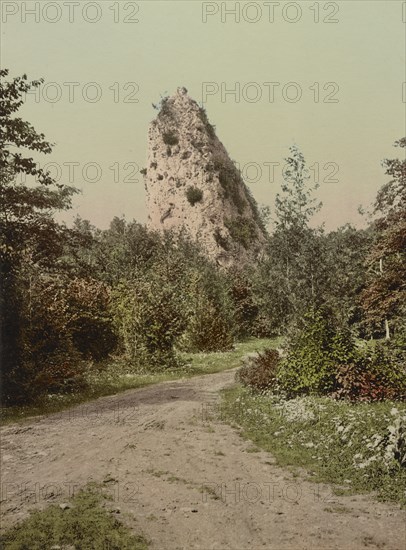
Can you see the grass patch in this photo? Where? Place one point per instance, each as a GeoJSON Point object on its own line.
{"type": "Point", "coordinates": [85, 525]}
{"type": "Point", "coordinates": [116, 376]}
{"type": "Point", "coordinates": [360, 447]}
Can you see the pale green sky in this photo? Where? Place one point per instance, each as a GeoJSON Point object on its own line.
{"type": "Point", "coordinates": [170, 46]}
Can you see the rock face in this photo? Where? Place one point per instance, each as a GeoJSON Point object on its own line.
{"type": "Point", "coordinates": [192, 183]}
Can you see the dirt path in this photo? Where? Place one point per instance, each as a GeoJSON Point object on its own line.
{"type": "Point", "coordinates": [182, 478]}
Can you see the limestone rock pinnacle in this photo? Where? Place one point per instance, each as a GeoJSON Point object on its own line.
{"type": "Point", "coordinates": [192, 183]}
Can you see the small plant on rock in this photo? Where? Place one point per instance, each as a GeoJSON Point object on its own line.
{"type": "Point", "coordinates": [170, 138]}
{"type": "Point", "coordinates": [194, 195]}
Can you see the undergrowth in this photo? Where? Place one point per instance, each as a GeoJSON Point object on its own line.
{"type": "Point", "coordinates": [361, 447]}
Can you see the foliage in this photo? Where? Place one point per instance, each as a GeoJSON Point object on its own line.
{"type": "Point", "coordinates": [384, 297]}
{"type": "Point", "coordinates": [323, 359]}
{"type": "Point", "coordinates": [359, 447]}
{"type": "Point", "coordinates": [242, 230]}
{"type": "Point", "coordinates": [230, 182]}
{"type": "Point", "coordinates": [296, 205]}
{"type": "Point", "coordinates": [345, 251]}
{"type": "Point", "coordinates": [90, 324]}
{"type": "Point", "coordinates": [211, 326]}
{"type": "Point", "coordinates": [291, 278]}
{"type": "Point", "coordinates": [313, 356]}
{"type": "Point", "coordinates": [194, 195]}
{"type": "Point", "coordinates": [211, 130]}
{"type": "Point", "coordinates": [249, 321]}
{"type": "Point", "coordinates": [85, 524]}
{"type": "Point", "coordinates": [63, 322]}
{"type": "Point", "coordinates": [375, 375]}
{"type": "Point", "coordinates": [260, 372]}
{"type": "Point", "coordinates": [31, 239]}
{"type": "Point", "coordinates": [150, 316]}
{"type": "Point", "coordinates": [49, 360]}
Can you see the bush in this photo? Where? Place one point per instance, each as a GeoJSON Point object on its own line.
{"type": "Point", "coordinates": [91, 323]}
{"type": "Point", "coordinates": [211, 323]}
{"type": "Point", "coordinates": [260, 372]}
{"type": "Point", "coordinates": [150, 316]}
{"type": "Point", "coordinates": [376, 375]}
{"type": "Point", "coordinates": [60, 372]}
{"type": "Point", "coordinates": [209, 329]}
{"type": "Point", "coordinates": [194, 195]}
{"type": "Point", "coordinates": [313, 355]}
{"type": "Point", "coordinates": [48, 361]}
{"type": "Point", "coordinates": [242, 230]}
{"type": "Point", "coordinates": [324, 360]}
{"type": "Point", "coordinates": [246, 308]}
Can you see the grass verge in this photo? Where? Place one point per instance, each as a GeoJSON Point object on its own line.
{"type": "Point", "coordinates": [85, 524]}
{"type": "Point", "coordinates": [116, 376]}
{"type": "Point", "coordinates": [360, 448]}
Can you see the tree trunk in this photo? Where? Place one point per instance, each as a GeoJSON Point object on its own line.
{"type": "Point", "coordinates": [387, 330]}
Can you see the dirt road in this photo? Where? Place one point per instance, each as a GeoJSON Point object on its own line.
{"type": "Point", "coordinates": [182, 478]}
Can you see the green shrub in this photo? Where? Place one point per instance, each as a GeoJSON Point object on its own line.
{"type": "Point", "coordinates": [376, 375]}
{"type": "Point", "coordinates": [91, 323]}
{"type": "Point", "coordinates": [150, 316]}
{"type": "Point", "coordinates": [313, 356]}
{"type": "Point", "coordinates": [245, 306]}
{"type": "Point", "coordinates": [323, 359]}
{"type": "Point", "coordinates": [242, 230]}
{"type": "Point", "coordinates": [194, 195]}
{"type": "Point", "coordinates": [260, 372]}
{"type": "Point", "coordinates": [263, 326]}
{"type": "Point", "coordinates": [209, 330]}
{"type": "Point", "coordinates": [209, 127]}
{"type": "Point", "coordinates": [230, 181]}
{"type": "Point", "coordinates": [49, 360]}
{"type": "Point", "coordinates": [211, 325]}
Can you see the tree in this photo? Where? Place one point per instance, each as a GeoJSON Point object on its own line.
{"type": "Point", "coordinates": [291, 278]}
{"type": "Point", "coordinates": [30, 237]}
{"type": "Point", "coordinates": [346, 252]}
{"type": "Point", "coordinates": [384, 298]}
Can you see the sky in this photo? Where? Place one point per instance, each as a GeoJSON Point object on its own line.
{"type": "Point", "coordinates": [326, 76]}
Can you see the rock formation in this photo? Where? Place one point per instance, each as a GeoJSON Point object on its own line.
{"type": "Point", "coordinates": [192, 183]}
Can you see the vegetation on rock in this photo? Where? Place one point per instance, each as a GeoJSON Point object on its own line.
{"type": "Point", "coordinates": [194, 194]}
